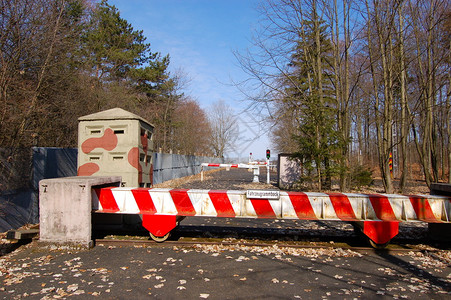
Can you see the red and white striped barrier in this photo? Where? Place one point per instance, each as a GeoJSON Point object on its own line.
{"type": "Point", "coordinates": [220, 165]}
{"type": "Point", "coordinates": [284, 205]}
{"type": "Point", "coordinates": [263, 163]}
{"type": "Point", "coordinates": [240, 166]}
{"type": "Point", "coordinates": [260, 163]}
{"type": "Point", "coordinates": [228, 166]}
{"type": "Point", "coordinates": [380, 213]}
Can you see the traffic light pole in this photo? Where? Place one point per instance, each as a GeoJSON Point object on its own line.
{"type": "Point", "coordinates": [268, 156]}
{"type": "Point", "coordinates": [267, 171]}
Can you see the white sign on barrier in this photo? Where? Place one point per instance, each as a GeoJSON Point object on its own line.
{"type": "Point", "coordinates": [263, 194]}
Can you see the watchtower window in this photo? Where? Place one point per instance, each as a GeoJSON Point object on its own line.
{"type": "Point", "coordinates": [119, 131]}
{"type": "Point", "coordinates": [117, 156]}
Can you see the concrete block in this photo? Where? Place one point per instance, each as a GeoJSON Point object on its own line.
{"type": "Point", "coordinates": [23, 234]}
{"type": "Point", "coordinates": [65, 206]}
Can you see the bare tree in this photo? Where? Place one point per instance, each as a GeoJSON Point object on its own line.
{"type": "Point", "coordinates": [405, 120]}
{"type": "Point", "coordinates": [286, 126]}
{"type": "Point", "coordinates": [431, 74]}
{"type": "Point", "coordinates": [224, 128]}
{"type": "Point", "coordinates": [395, 94]}
{"type": "Point", "coordinates": [38, 37]}
{"type": "Point", "coordinates": [380, 26]}
{"type": "Point", "coordinates": [190, 129]}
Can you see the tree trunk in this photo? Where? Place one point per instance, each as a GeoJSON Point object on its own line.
{"type": "Point", "coordinates": [448, 118]}
{"type": "Point", "coordinates": [404, 119]}
{"type": "Point", "coordinates": [335, 33]}
{"type": "Point", "coordinates": [346, 95]}
{"type": "Point", "coordinates": [40, 79]}
{"type": "Point", "coordinates": [386, 140]}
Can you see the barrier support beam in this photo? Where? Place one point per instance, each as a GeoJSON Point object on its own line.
{"type": "Point", "coordinates": [379, 233]}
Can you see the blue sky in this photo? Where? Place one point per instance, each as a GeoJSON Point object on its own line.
{"type": "Point", "coordinates": [200, 37]}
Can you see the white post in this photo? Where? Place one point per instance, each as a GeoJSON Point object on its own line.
{"type": "Point", "coordinates": [267, 172]}
{"type": "Point", "coordinates": [256, 174]}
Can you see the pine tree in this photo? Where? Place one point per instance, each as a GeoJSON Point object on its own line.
{"type": "Point", "coordinates": [117, 52]}
{"type": "Point", "coordinates": [309, 90]}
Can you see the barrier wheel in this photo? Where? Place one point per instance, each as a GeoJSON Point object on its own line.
{"type": "Point", "coordinates": [378, 246]}
{"type": "Point", "coordinates": [160, 239]}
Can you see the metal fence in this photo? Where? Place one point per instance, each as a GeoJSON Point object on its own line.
{"type": "Point", "coordinates": [170, 166]}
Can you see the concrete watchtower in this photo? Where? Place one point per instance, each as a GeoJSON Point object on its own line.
{"type": "Point", "coordinates": [116, 142]}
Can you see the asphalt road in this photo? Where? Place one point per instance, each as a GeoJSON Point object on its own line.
{"type": "Point", "coordinates": [232, 179]}
{"type": "Point", "coordinates": [215, 272]}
